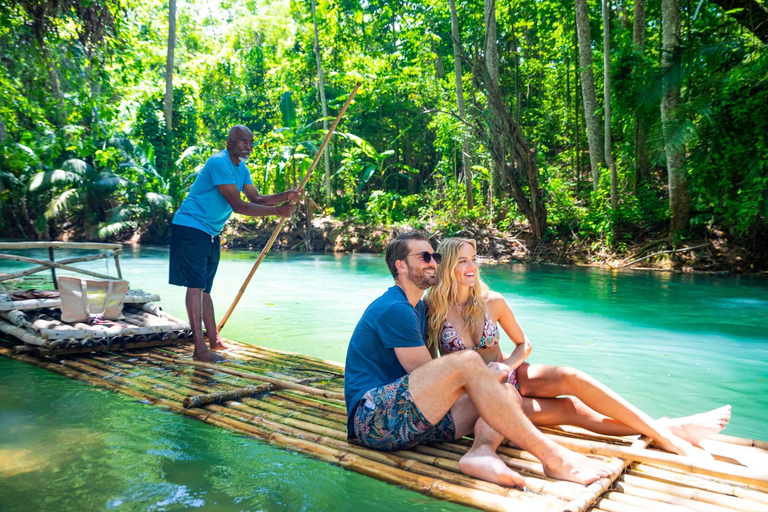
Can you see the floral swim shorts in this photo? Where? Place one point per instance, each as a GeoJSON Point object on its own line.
{"type": "Point", "coordinates": [387, 419]}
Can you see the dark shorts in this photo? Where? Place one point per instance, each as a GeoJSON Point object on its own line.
{"type": "Point", "coordinates": [194, 258]}
{"type": "Point", "coordinates": [387, 419]}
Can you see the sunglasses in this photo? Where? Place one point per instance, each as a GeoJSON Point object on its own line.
{"type": "Point", "coordinates": [427, 256]}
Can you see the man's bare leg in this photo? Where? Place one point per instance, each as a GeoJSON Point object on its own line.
{"type": "Point", "coordinates": [209, 319]}
{"type": "Point", "coordinates": [481, 461]}
{"type": "Point", "coordinates": [194, 303]}
{"type": "Point", "coordinates": [436, 386]}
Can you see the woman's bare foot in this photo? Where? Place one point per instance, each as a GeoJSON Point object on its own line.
{"type": "Point", "coordinates": [682, 447]}
{"type": "Point", "coordinates": [206, 356]}
{"type": "Point", "coordinates": [574, 467]}
{"type": "Point", "coordinates": [483, 463]}
{"type": "Point", "coordinates": [695, 428]}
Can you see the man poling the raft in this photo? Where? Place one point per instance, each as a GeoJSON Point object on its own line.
{"type": "Point", "coordinates": [215, 194]}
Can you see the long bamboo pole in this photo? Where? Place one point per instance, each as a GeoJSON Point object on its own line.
{"type": "Point", "coordinates": [282, 220]}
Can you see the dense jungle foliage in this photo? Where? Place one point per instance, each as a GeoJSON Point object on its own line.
{"type": "Point", "coordinates": [85, 147]}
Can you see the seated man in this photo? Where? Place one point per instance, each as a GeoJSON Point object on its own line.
{"type": "Point", "coordinates": [398, 396]}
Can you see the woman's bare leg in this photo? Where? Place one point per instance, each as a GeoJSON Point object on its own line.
{"type": "Point", "coordinates": [552, 381]}
{"type": "Point", "coordinates": [544, 412]}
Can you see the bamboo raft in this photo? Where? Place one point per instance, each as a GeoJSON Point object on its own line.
{"type": "Point", "coordinates": [296, 402]}
{"type": "Point", "coordinates": [37, 322]}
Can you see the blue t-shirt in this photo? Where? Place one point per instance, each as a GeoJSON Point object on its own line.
{"type": "Point", "coordinates": [389, 322]}
{"type": "Point", "coordinates": [204, 207]}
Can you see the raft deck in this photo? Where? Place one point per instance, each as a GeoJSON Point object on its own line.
{"type": "Point", "coordinates": [296, 402]}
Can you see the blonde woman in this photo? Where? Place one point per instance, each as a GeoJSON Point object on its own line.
{"type": "Point", "coordinates": [463, 314]}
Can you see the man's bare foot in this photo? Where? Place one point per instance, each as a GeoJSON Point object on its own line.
{"type": "Point", "coordinates": [217, 344]}
{"type": "Point", "coordinates": [695, 428]}
{"type": "Point", "coordinates": [574, 467]}
{"type": "Point", "coordinates": [483, 463]}
{"type": "Point", "coordinates": [206, 356]}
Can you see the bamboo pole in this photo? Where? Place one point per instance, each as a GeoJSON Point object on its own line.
{"type": "Point", "coordinates": [45, 264]}
{"type": "Point", "coordinates": [282, 220]}
{"type": "Point", "coordinates": [285, 353]}
{"type": "Point", "coordinates": [14, 246]}
{"type": "Point", "coordinates": [596, 489]}
{"type": "Point", "coordinates": [695, 500]}
{"type": "Point", "coordinates": [741, 441]}
{"type": "Point", "coordinates": [606, 505]}
{"type": "Point", "coordinates": [22, 334]}
{"type": "Point", "coordinates": [8, 304]}
{"type": "Point", "coordinates": [717, 469]}
{"type": "Point", "coordinates": [253, 376]}
{"type": "Point", "coordinates": [697, 482]}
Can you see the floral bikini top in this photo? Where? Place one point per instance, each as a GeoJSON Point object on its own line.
{"type": "Point", "coordinates": [451, 342]}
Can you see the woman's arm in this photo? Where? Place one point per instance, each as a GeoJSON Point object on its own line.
{"type": "Point", "coordinates": [502, 313]}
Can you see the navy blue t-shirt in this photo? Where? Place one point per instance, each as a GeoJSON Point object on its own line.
{"type": "Point", "coordinates": [389, 322]}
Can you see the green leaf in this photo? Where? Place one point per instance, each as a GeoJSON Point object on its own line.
{"type": "Point", "coordinates": [367, 173]}
{"type": "Point", "coordinates": [288, 110]}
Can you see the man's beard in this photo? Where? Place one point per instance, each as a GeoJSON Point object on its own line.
{"type": "Point", "coordinates": [419, 278]}
{"type": "Point", "coordinates": [244, 159]}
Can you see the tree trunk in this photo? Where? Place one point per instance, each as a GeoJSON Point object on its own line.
{"type": "Point", "coordinates": [642, 164]}
{"type": "Point", "coordinates": [750, 14]}
{"type": "Point", "coordinates": [589, 97]}
{"type": "Point", "coordinates": [321, 87]}
{"type": "Point", "coordinates": [50, 65]}
{"type": "Point", "coordinates": [465, 160]}
{"type": "Point", "coordinates": [512, 157]}
{"type": "Point", "coordinates": [439, 67]}
{"type": "Point", "coordinates": [607, 100]}
{"type": "Point", "coordinates": [679, 196]}
{"type": "Point", "coordinates": [168, 100]}
{"type": "Point", "coordinates": [576, 114]}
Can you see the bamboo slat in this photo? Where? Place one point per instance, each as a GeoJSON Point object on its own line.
{"type": "Point", "coordinates": [716, 469]}
{"type": "Point", "coordinates": [699, 482]}
{"type": "Point", "coordinates": [596, 489]}
{"type": "Point", "coordinates": [8, 304]}
{"type": "Point", "coordinates": [22, 334]}
{"type": "Point", "coordinates": [253, 376]}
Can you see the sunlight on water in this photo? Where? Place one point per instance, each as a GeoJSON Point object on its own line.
{"type": "Point", "coordinates": [671, 344]}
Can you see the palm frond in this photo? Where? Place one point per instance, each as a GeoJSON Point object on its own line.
{"type": "Point", "coordinates": [63, 202]}
{"type": "Point", "coordinates": [49, 179]}
{"type": "Point", "coordinates": [76, 165]}
{"type": "Point", "coordinates": [114, 228]}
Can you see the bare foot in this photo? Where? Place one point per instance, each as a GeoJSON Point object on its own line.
{"type": "Point", "coordinates": [483, 463]}
{"type": "Point", "coordinates": [574, 467]}
{"type": "Point", "coordinates": [217, 344]}
{"type": "Point", "coordinates": [682, 447]}
{"type": "Point", "coordinates": [695, 428]}
{"type": "Point", "coordinates": [207, 356]}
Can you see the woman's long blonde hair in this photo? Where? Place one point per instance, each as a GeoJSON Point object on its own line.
{"type": "Point", "coordinates": [442, 295]}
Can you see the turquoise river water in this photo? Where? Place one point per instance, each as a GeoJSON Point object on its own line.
{"type": "Point", "coordinates": [672, 344]}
